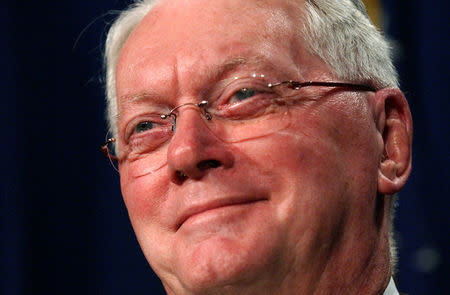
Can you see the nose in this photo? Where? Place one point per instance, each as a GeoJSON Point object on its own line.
{"type": "Point", "coordinates": [194, 150]}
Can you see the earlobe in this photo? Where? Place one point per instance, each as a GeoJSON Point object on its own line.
{"type": "Point", "coordinates": [395, 125]}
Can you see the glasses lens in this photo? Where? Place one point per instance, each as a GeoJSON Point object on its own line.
{"type": "Point", "coordinates": [148, 163]}
{"type": "Point", "coordinates": [146, 148]}
{"type": "Point", "coordinates": [248, 109]}
{"type": "Point", "coordinates": [267, 123]}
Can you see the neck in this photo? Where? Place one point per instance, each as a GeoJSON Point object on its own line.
{"type": "Point", "coordinates": [357, 272]}
{"type": "Point", "coordinates": [359, 263]}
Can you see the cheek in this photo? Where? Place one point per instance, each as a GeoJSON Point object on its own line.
{"type": "Point", "coordinates": [304, 166]}
{"type": "Point", "coordinates": [143, 196]}
{"type": "Point", "coordinates": [324, 154]}
{"type": "Point", "coordinates": [306, 179]}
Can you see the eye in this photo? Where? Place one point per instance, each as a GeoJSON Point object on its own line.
{"type": "Point", "coordinates": [143, 126]}
{"type": "Point", "coordinates": [244, 93]}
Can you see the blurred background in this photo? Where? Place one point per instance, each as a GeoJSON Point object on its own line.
{"type": "Point", "coordinates": [63, 226]}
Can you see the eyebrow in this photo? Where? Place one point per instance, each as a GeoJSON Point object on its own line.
{"type": "Point", "coordinates": [236, 62]}
{"type": "Point", "coordinates": [134, 100]}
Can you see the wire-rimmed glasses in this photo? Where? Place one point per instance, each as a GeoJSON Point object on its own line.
{"type": "Point", "coordinates": [237, 110]}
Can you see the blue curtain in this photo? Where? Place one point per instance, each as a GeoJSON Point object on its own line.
{"type": "Point", "coordinates": [420, 33]}
{"type": "Point", "coordinates": [64, 228]}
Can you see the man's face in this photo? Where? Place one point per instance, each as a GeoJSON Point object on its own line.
{"type": "Point", "coordinates": [276, 206]}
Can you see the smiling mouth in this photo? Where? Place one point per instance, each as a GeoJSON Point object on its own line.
{"type": "Point", "coordinates": [214, 205]}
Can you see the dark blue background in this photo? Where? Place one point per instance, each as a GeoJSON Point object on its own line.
{"type": "Point", "coordinates": [64, 228]}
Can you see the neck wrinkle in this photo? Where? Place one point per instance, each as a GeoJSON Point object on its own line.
{"type": "Point", "coordinates": [369, 262]}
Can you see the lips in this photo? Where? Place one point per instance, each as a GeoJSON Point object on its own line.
{"type": "Point", "coordinates": [198, 209]}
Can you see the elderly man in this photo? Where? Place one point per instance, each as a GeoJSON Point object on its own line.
{"type": "Point", "coordinates": [259, 144]}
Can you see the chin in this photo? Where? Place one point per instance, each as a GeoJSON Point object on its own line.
{"type": "Point", "coordinates": [208, 265]}
{"type": "Point", "coordinates": [218, 262]}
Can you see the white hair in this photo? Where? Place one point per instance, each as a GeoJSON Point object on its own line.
{"type": "Point", "coordinates": [342, 35]}
{"type": "Point", "coordinates": [337, 31]}
{"type": "Point", "coordinates": [116, 38]}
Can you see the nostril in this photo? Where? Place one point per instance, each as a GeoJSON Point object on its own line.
{"type": "Point", "coordinates": [180, 175]}
{"type": "Point", "coordinates": [207, 164]}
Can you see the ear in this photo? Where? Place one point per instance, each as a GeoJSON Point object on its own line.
{"type": "Point", "coordinates": [394, 123]}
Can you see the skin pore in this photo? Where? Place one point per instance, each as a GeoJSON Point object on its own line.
{"type": "Point", "coordinates": [298, 211]}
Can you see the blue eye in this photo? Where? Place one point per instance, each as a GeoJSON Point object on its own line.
{"type": "Point", "coordinates": [244, 93]}
{"type": "Point", "coordinates": [143, 126]}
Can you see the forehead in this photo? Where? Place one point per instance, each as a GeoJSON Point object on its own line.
{"type": "Point", "coordinates": [176, 23]}
{"type": "Point", "coordinates": [188, 37]}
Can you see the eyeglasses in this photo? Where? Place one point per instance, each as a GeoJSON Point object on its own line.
{"type": "Point", "coordinates": [237, 110]}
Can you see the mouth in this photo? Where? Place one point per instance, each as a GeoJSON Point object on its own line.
{"type": "Point", "coordinates": [197, 210]}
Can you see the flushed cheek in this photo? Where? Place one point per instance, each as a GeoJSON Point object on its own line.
{"type": "Point", "coordinates": [299, 151]}
{"type": "Point", "coordinates": [307, 163]}
{"type": "Point", "coordinates": [300, 162]}
{"type": "Point", "coordinates": [302, 171]}
{"type": "Point", "coordinates": [143, 196]}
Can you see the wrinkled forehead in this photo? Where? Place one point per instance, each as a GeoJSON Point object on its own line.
{"type": "Point", "coordinates": [193, 16]}
{"type": "Point", "coordinates": [179, 39]}
{"type": "Point", "coordinates": [196, 26]}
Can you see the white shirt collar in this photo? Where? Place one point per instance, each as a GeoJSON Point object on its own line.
{"type": "Point", "coordinates": [391, 288]}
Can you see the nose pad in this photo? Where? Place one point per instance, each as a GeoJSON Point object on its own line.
{"type": "Point", "coordinates": [201, 105]}
{"type": "Point", "coordinates": [194, 149]}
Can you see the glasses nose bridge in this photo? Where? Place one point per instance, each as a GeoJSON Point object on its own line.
{"type": "Point", "coordinates": [175, 111]}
